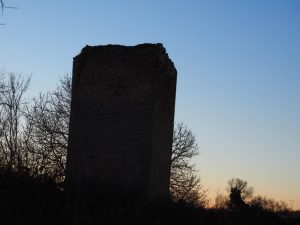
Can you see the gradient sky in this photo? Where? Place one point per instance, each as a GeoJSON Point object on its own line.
{"type": "Point", "coordinates": [238, 68]}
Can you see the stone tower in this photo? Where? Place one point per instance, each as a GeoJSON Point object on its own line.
{"type": "Point", "coordinates": [121, 125]}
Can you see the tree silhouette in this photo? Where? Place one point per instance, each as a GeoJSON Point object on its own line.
{"type": "Point", "coordinates": [48, 125]}
{"type": "Point", "coordinates": [239, 192]}
{"type": "Point", "coordinates": [12, 151]}
{"type": "Point", "coordinates": [184, 182]}
{"type": "Point", "coordinates": [269, 204]}
{"type": "Point", "coordinates": [35, 136]}
{"type": "Point", "coordinates": [49, 119]}
{"type": "Point", "coordinates": [221, 201]}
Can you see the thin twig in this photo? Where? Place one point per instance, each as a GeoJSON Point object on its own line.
{"type": "Point", "coordinates": [3, 6]}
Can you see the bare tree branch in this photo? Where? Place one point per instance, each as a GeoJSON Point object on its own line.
{"type": "Point", "coordinates": [11, 119]}
{"type": "Point", "coordinates": [4, 6]}
{"type": "Point", "coordinates": [184, 182]}
{"type": "Point", "coordinates": [48, 122]}
{"type": "Point", "coordinates": [42, 147]}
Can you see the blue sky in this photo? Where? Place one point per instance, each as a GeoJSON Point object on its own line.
{"type": "Point", "coordinates": [238, 68]}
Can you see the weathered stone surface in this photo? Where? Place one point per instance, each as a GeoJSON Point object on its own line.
{"type": "Point", "coordinates": [121, 124]}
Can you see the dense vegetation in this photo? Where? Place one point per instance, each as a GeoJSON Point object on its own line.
{"type": "Point", "coordinates": [39, 200]}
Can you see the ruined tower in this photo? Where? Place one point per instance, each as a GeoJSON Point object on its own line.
{"type": "Point", "coordinates": [121, 125]}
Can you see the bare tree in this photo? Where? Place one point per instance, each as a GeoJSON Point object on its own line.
{"type": "Point", "coordinates": [269, 204]}
{"type": "Point", "coordinates": [2, 90]}
{"type": "Point", "coordinates": [11, 120]}
{"type": "Point", "coordinates": [48, 126]}
{"type": "Point", "coordinates": [185, 183]}
{"type": "Point", "coordinates": [41, 144]}
{"type": "Point", "coordinates": [242, 187]}
{"type": "Point", "coordinates": [239, 193]}
{"type": "Point", "coordinates": [48, 120]}
{"type": "Point", "coordinates": [221, 201]}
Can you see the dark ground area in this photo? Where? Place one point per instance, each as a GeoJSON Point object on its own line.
{"type": "Point", "coordinates": [27, 200]}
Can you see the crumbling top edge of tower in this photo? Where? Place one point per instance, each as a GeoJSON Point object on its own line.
{"type": "Point", "coordinates": [144, 49]}
{"type": "Point", "coordinates": [88, 48]}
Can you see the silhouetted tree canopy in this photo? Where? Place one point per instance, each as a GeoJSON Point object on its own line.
{"type": "Point", "coordinates": [239, 192]}
{"type": "Point", "coordinates": [269, 204]}
{"type": "Point", "coordinates": [241, 197]}
{"type": "Point", "coordinates": [240, 186]}
{"type": "Point", "coordinates": [33, 144]}
{"type": "Point", "coordinates": [185, 183]}
{"type": "Point", "coordinates": [35, 137]}
{"type": "Point", "coordinates": [48, 124]}
{"type": "Point", "coordinates": [13, 151]}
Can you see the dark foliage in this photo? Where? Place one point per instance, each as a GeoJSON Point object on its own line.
{"type": "Point", "coordinates": [238, 194]}
{"type": "Point", "coordinates": [30, 200]}
{"type": "Point", "coordinates": [25, 199]}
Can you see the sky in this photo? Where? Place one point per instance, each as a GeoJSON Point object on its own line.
{"type": "Point", "coordinates": [238, 66]}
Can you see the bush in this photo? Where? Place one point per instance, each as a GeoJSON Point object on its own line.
{"type": "Point", "coordinates": [30, 200]}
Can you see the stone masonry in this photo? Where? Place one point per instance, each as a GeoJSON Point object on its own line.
{"type": "Point", "coordinates": [121, 125]}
